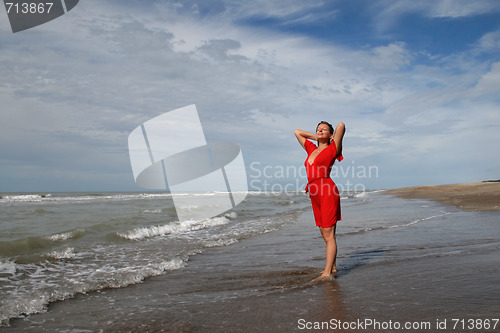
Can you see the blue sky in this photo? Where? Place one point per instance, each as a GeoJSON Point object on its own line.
{"type": "Point", "coordinates": [417, 84]}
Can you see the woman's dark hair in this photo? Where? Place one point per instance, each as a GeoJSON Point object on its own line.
{"type": "Point", "coordinates": [330, 127]}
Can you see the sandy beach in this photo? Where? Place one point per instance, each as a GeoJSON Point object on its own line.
{"type": "Point", "coordinates": [483, 196]}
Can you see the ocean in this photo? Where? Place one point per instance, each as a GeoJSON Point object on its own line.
{"type": "Point", "coordinates": [74, 262]}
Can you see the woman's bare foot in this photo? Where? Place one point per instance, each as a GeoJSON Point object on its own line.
{"type": "Point", "coordinates": [322, 277]}
{"type": "Point", "coordinates": [334, 272]}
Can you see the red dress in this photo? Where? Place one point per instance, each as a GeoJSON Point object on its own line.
{"type": "Point", "coordinates": [322, 190]}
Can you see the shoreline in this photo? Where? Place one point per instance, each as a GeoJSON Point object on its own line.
{"type": "Point", "coordinates": [469, 197]}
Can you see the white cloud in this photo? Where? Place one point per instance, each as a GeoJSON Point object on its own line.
{"type": "Point", "coordinates": [392, 56]}
{"type": "Point", "coordinates": [389, 12]}
{"type": "Point", "coordinates": [458, 8]}
{"type": "Point", "coordinates": [489, 83]}
{"type": "Point", "coordinates": [276, 9]}
{"type": "Point", "coordinates": [490, 42]}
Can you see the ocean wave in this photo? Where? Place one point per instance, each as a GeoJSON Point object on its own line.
{"type": "Point", "coordinates": [7, 268]}
{"type": "Point", "coordinates": [172, 228]}
{"type": "Point", "coordinates": [119, 277]}
{"type": "Point", "coordinates": [220, 242]}
{"type": "Point", "coordinates": [23, 245]}
{"type": "Point", "coordinates": [376, 228]}
{"type": "Point", "coordinates": [286, 202]}
{"type": "Point", "coordinates": [66, 253]}
{"type": "Point", "coordinates": [37, 294]}
{"type": "Point", "coordinates": [420, 220]}
{"type": "Point", "coordinates": [66, 235]}
{"type": "Point", "coordinates": [25, 197]}
{"type": "Point", "coordinates": [359, 195]}
{"type": "Point", "coordinates": [28, 244]}
{"type": "Point", "coordinates": [153, 211]}
{"type": "Point", "coordinates": [231, 215]}
{"type": "Point", "coordinates": [80, 197]}
{"type": "Point", "coordinates": [356, 194]}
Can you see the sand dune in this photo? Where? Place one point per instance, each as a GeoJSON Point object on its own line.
{"type": "Point", "coordinates": [469, 197]}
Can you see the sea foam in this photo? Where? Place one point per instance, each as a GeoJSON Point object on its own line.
{"type": "Point", "coordinates": [172, 228]}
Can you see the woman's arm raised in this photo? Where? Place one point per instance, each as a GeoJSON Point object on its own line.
{"type": "Point", "coordinates": [302, 136]}
{"type": "Point", "coordinates": [338, 135]}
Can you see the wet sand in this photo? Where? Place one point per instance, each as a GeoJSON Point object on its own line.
{"type": "Point", "coordinates": [469, 197]}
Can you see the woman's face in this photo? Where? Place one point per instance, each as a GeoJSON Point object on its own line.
{"type": "Point", "coordinates": [323, 131]}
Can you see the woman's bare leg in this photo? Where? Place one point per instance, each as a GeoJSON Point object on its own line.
{"type": "Point", "coordinates": [331, 252]}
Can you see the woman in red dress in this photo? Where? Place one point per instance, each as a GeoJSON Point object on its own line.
{"type": "Point", "coordinates": [322, 190]}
